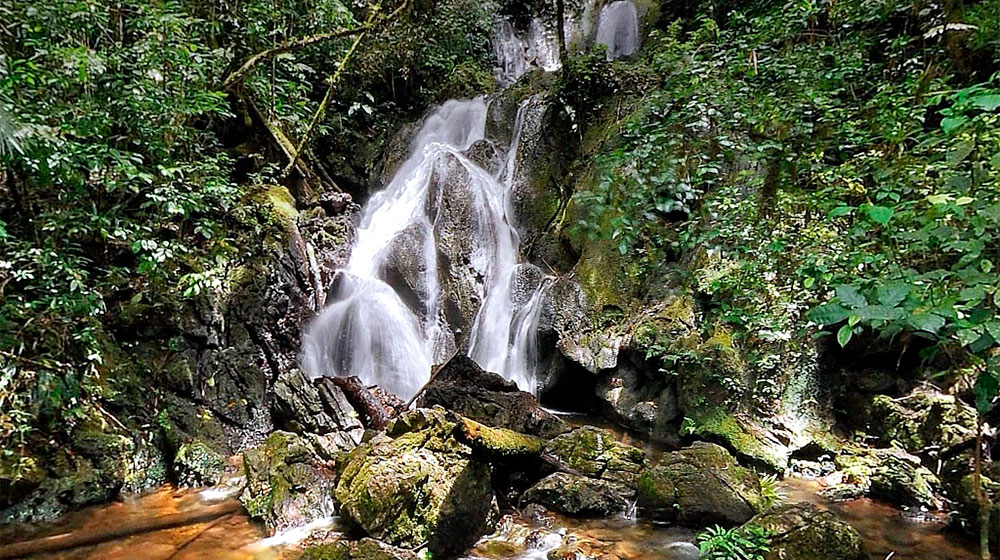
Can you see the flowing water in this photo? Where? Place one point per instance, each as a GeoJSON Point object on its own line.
{"type": "Point", "coordinates": [385, 318]}
{"type": "Point", "coordinates": [618, 29]}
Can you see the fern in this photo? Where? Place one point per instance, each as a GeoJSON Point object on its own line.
{"type": "Point", "coordinates": [746, 543]}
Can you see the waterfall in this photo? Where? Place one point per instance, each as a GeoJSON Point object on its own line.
{"type": "Point", "coordinates": [385, 319]}
{"type": "Point", "coordinates": [618, 29]}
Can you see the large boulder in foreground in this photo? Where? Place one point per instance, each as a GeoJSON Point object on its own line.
{"type": "Point", "coordinates": [464, 387]}
{"type": "Point", "coordinates": [416, 484]}
{"type": "Point", "coordinates": [699, 485]}
{"type": "Point", "coordinates": [804, 532]}
{"type": "Point", "coordinates": [288, 480]}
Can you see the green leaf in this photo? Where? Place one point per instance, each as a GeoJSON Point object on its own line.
{"type": "Point", "coordinates": [951, 124]}
{"type": "Point", "coordinates": [893, 294]}
{"type": "Point", "coordinates": [929, 322]}
{"type": "Point", "coordinates": [849, 295]}
{"type": "Point", "coordinates": [960, 151]}
{"type": "Point", "coordinates": [880, 214]}
{"type": "Point", "coordinates": [939, 198]}
{"type": "Point", "coordinates": [829, 314]}
{"type": "Point", "coordinates": [844, 335]}
{"type": "Point", "coordinates": [967, 336]}
{"type": "Point", "coordinates": [986, 389]}
{"type": "Point", "coordinates": [840, 211]}
{"type": "Point", "coordinates": [986, 102]}
{"type": "Point", "coordinates": [879, 313]}
{"type": "Point", "coordinates": [993, 327]}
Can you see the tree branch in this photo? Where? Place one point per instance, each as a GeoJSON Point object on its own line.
{"type": "Point", "coordinates": [237, 76]}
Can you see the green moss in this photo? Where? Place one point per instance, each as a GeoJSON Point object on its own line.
{"type": "Point", "coordinates": [738, 435]}
{"type": "Point", "coordinates": [499, 443]}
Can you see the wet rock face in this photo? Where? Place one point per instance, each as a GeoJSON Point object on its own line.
{"type": "Point", "coordinates": [700, 485]}
{"type": "Point", "coordinates": [417, 484]}
{"type": "Point", "coordinates": [804, 532]}
{"type": "Point", "coordinates": [288, 480]}
{"type": "Point", "coordinates": [580, 495]}
{"type": "Point", "coordinates": [197, 464]}
{"type": "Point", "coordinates": [643, 400]}
{"type": "Point", "coordinates": [319, 407]}
{"type": "Point", "coordinates": [462, 386]}
{"type": "Point", "coordinates": [890, 475]}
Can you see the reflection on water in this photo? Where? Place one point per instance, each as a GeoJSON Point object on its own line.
{"type": "Point", "coordinates": [885, 530]}
{"type": "Point", "coordinates": [227, 538]}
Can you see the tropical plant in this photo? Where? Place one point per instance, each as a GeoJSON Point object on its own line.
{"type": "Point", "coordinates": [742, 543]}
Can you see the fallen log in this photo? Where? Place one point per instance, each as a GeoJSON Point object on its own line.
{"type": "Point", "coordinates": [361, 399]}
{"type": "Point", "coordinates": [127, 528]}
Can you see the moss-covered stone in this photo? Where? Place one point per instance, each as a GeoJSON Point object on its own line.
{"type": "Point", "coordinates": [580, 495]}
{"type": "Point", "coordinates": [498, 443]}
{"type": "Point", "coordinates": [923, 418]}
{"type": "Point", "coordinates": [596, 453]}
{"type": "Point", "coordinates": [804, 532]}
{"type": "Point", "coordinates": [890, 475]}
{"type": "Point", "coordinates": [365, 549]}
{"type": "Point", "coordinates": [288, 483]}
{"type": "Point", "coordinates": [699, 485]}
{"type": "Point", "coordinates": [417, 484]}
{"type": "Point", "coordinates": [197, 464]}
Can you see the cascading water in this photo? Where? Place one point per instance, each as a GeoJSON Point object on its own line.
{"type": "Point", "coordinates": [388, 327]}
{"type": "Point", "coordinates": [618, 29]}
{"type": "Point", "coordinates": [439, 241]}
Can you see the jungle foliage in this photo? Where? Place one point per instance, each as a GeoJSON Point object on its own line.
{"type": "Point", "coordinates": [828, 164]}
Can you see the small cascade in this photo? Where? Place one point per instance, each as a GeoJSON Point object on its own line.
{"type": "Point", "coordinates": [516, 54]}
{"type": "Point", "coordinates": [618, 29]}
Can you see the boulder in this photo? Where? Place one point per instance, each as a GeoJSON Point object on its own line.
{"type": "Point", "coordinates": [197, 464]}
{"type": "Point", "coordinates": [302, 405]}
{"type": "Point", "coordinates": [416, 484]}
{"type": "Point", "coordinates": [802, 531]}
{"type": "Point", "coordinates": [364, 549]}
{"type": "Point", "coordinates": [463, 386]}
{"type": "Point", "coordinates": [580, 495]}
{"type": "Point", "coordinates": [923, 418]}
{"type": "Point", "coordinates": [638, 396]}
{"type": "Point", "coordinates": [699, 485]}
{"type": "Point", "coordinates": [595, 452]}
{"type": "Point", "coordinates": [288, 481]}
{"type": "Point", "coordinates": [890, 475]}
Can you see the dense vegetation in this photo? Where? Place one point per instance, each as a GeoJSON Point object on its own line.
{"type": "Point", "coordinates": [806, 153]}
{"type": "Point", "coordinates": [131, 160]}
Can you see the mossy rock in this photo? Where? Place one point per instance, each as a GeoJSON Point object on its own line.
{"type": "Point", "coordinates": [596, 453]}
{"type": "Point", "coordinates": [804, 532]}
{"type": "Point", "coordinates": [748, 440]}
{"type": "Point", "coordinates": [365, 549]}
{"type": "Point", "coordinates": [923, 418]}
{"type": "Point", "coordinates": [417, 484]}
{"type": "Point", "coordinates": [580, 495]}
{"type": "Point", "coordinates": [700, 485]}
{"type": "Point", "coordinates": [890, 475]}
{"type": "Point", "coordinates": [288, 483]}
{"type": "Point", "coordinates": [498, 443]}
{"type": "Point", "coordinates": [197, 464]}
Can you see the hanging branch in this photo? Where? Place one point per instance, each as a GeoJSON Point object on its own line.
{"type": "Point", "coordinates": [238, 75]}
{"type": "Point", "coordinates": [372, 23]}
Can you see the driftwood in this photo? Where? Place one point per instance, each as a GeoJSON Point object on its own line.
{"type": "Point", "coordinates": [124, 529]}
{"type": "Point", "coordinates": [362, 399]}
